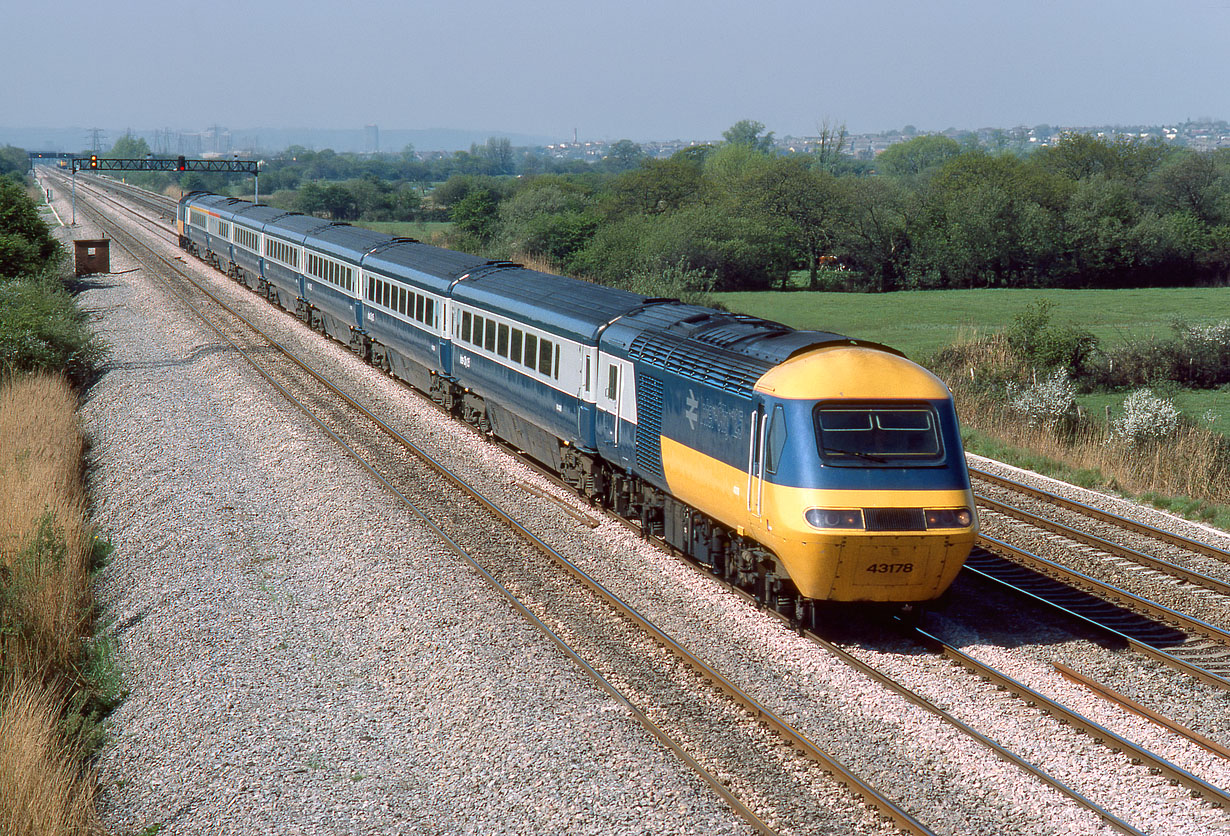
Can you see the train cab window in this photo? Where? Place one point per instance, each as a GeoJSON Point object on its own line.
{"type": "Point", "coordinates": [775, 444]}
{"type": "Point", "coordinates": [612, 382]}
{"type": "Point", "coordinates": [866, 436]}
{"type": "Point", "coordinates": [501, 347]}
{"type": "Point", "coordinates": [531, 351]}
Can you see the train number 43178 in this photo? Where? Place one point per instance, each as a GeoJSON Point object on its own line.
{"type": "Point", "coordinates": [891, 568]}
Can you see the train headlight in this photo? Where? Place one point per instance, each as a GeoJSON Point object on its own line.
{"type": "Point", "coordinates": [949, 518]}
{"type": "Point", "coordinates": [834, 518]}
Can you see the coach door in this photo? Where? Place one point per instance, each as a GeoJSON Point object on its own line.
{"type": "Point", "coordinates": [757, 423]}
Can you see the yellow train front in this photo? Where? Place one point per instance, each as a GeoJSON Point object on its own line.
{"type": "Point", "coordinates": [803, 465]}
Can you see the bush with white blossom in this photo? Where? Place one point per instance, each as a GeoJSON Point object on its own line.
{"type": "Point", "coordinates": [1146, 417]}
{"type": "Point", "coordinates": [1048, 403]}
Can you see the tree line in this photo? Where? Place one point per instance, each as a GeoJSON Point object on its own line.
{"type": "Point", "coordinates": [930, 212]}
{"type": "Point", "coordinates": [927, 213]}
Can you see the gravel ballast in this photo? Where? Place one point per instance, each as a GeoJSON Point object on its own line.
{"type": "Point", "coordinates": [302, 656]}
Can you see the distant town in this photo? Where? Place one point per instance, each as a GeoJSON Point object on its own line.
{"type": "Point", "coordinates": [1205, 134]}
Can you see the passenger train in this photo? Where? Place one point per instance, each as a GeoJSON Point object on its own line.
{"type": "Point", "coordinates": [804, 466]}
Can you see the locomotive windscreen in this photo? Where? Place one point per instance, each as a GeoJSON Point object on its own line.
{"type": "Point", "coordinates": [874, 435]}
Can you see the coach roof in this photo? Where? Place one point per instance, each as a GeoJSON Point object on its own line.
{"type": "Point", "coordinates": [563, 306]}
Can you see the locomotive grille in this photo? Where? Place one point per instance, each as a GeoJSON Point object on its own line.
{"type": "Point", "coordinates": [649, 424]}
{"type": "Point", "coordinates": [895, 519]}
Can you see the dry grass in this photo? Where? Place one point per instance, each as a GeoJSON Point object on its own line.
{"type": "Point", "coordinates": [41, 789]}
{"type": "Point", "coordinates": [45, 544]}
{"type": "Point", "coordinates": [46, 550]}
{"type": "Point", "coordinates": [1192, 464]}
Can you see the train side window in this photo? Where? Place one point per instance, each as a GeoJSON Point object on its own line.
{"type": "Point", "coordinates": [544, 356]}
{"type": "Point", "coordinates": [418, 307]}
{"type": "Point", "coordinates": [515, 353]}
{"type": "Point", "coordinates": [555, 366]}
{"type": "Point", "coordinates": [371, 289]}
{"type": "Point", "coordinates": [776, 442]}
{"type": "Point", "coordinates": [612, 382]}
{"type": "Point", "coordinates": [401, 301]}
{"type": "Point", "coordinates": [476, 336]}
{"type": "Point", "coordinates": [502, 344]}
{"type": "Point", "coordinates": [465, 326]}
{"type": "Point", "coordinates": [429, 312]}
{"type": "Point", "coordinates": [531, 351]}
{"type": "Point", "coordinates": [489, 337]}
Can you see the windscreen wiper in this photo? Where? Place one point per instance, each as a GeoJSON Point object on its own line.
{"type": "Point", "coordinates": [857, 454]}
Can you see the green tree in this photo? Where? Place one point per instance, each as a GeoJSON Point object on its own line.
{"type": "Point", "coordinates": [916, 156]}
{"type": "Point", "coordinates": [1193, 182]}
{"type": "Point", "coordinates": [339, 202]}
{"type": "Point", "coordinates": [129, 147]}
{"type": "Point", "coordinates": [875, 236]}
{"type": "Point", "coordinates": [26, 245]}
{"type": "Point", "coordinates": [1079, 156]}
{"type": "Point", "coordinates": [13, 160]}
{"type": "Point", "coordinates": [624, 155]}
{"type": "Point", "coordinates": [498, 153]}
{"type": "Point", "coordinates": [751, 134]}
{"type": "Point", "coordinates": [655, 187]}
{"type": "Point", "coordinates": [809, 203]}
{"type": "Point", "coordinates": [828, 153]}
{"type": "Point", "coordinates": [476, 214]}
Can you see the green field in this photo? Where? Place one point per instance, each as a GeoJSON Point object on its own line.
{"type": "Point", "coordinates": [920, 322]}
{"type": "Point", "coordinates": [422, 230]}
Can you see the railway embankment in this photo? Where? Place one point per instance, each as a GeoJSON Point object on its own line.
{"type": "Point", "coordinates": [56, 679]}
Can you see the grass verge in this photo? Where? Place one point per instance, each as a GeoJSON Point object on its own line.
{"type": "Point", "coordinates": [56, 684]}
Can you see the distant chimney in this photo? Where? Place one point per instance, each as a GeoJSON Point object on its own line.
{"type": "Point", "coordinates": [574, 136]}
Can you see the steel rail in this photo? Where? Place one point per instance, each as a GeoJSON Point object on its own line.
{"type": "Point", "coordinates": [1141, 647]}
{"type": "Point", "coordinates": [793, 737]}
{"type": "Point", "coordinates": [1214, 795]}
{"type": "Point", "coordinates": [1106, 516]}
{"type": "Point", "coordinates": [1056, 527]}
{"type": "Point", "coordinates": [1122, 596]}
{"type": "Point", "coordinates": [1110, 695]}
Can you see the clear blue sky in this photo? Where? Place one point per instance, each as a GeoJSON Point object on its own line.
{"type": "Point", "coordinates": [642, 69]}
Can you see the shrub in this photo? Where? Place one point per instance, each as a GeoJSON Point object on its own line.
{"type": "Point", "coordinates": [1197, 356]}
{"type": "Point", "coordinates": [1048, 346]}
{"type": "Point", "coordinates": [1146, 418]}
{"type": "Point", "coordinates": [1050, 404]}
{"type": "Point", "coordinates": [41, 330]}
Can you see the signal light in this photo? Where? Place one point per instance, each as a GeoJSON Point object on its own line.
{"type": "Point", "coordinates": [93, 161]}
{"type": "Point", "coordinates": [181, 164]}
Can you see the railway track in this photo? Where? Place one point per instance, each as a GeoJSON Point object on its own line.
{"type": "Point", "coordinates": [1163, 632]}
{"type": "Point", "coordinates": [750, 704]}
